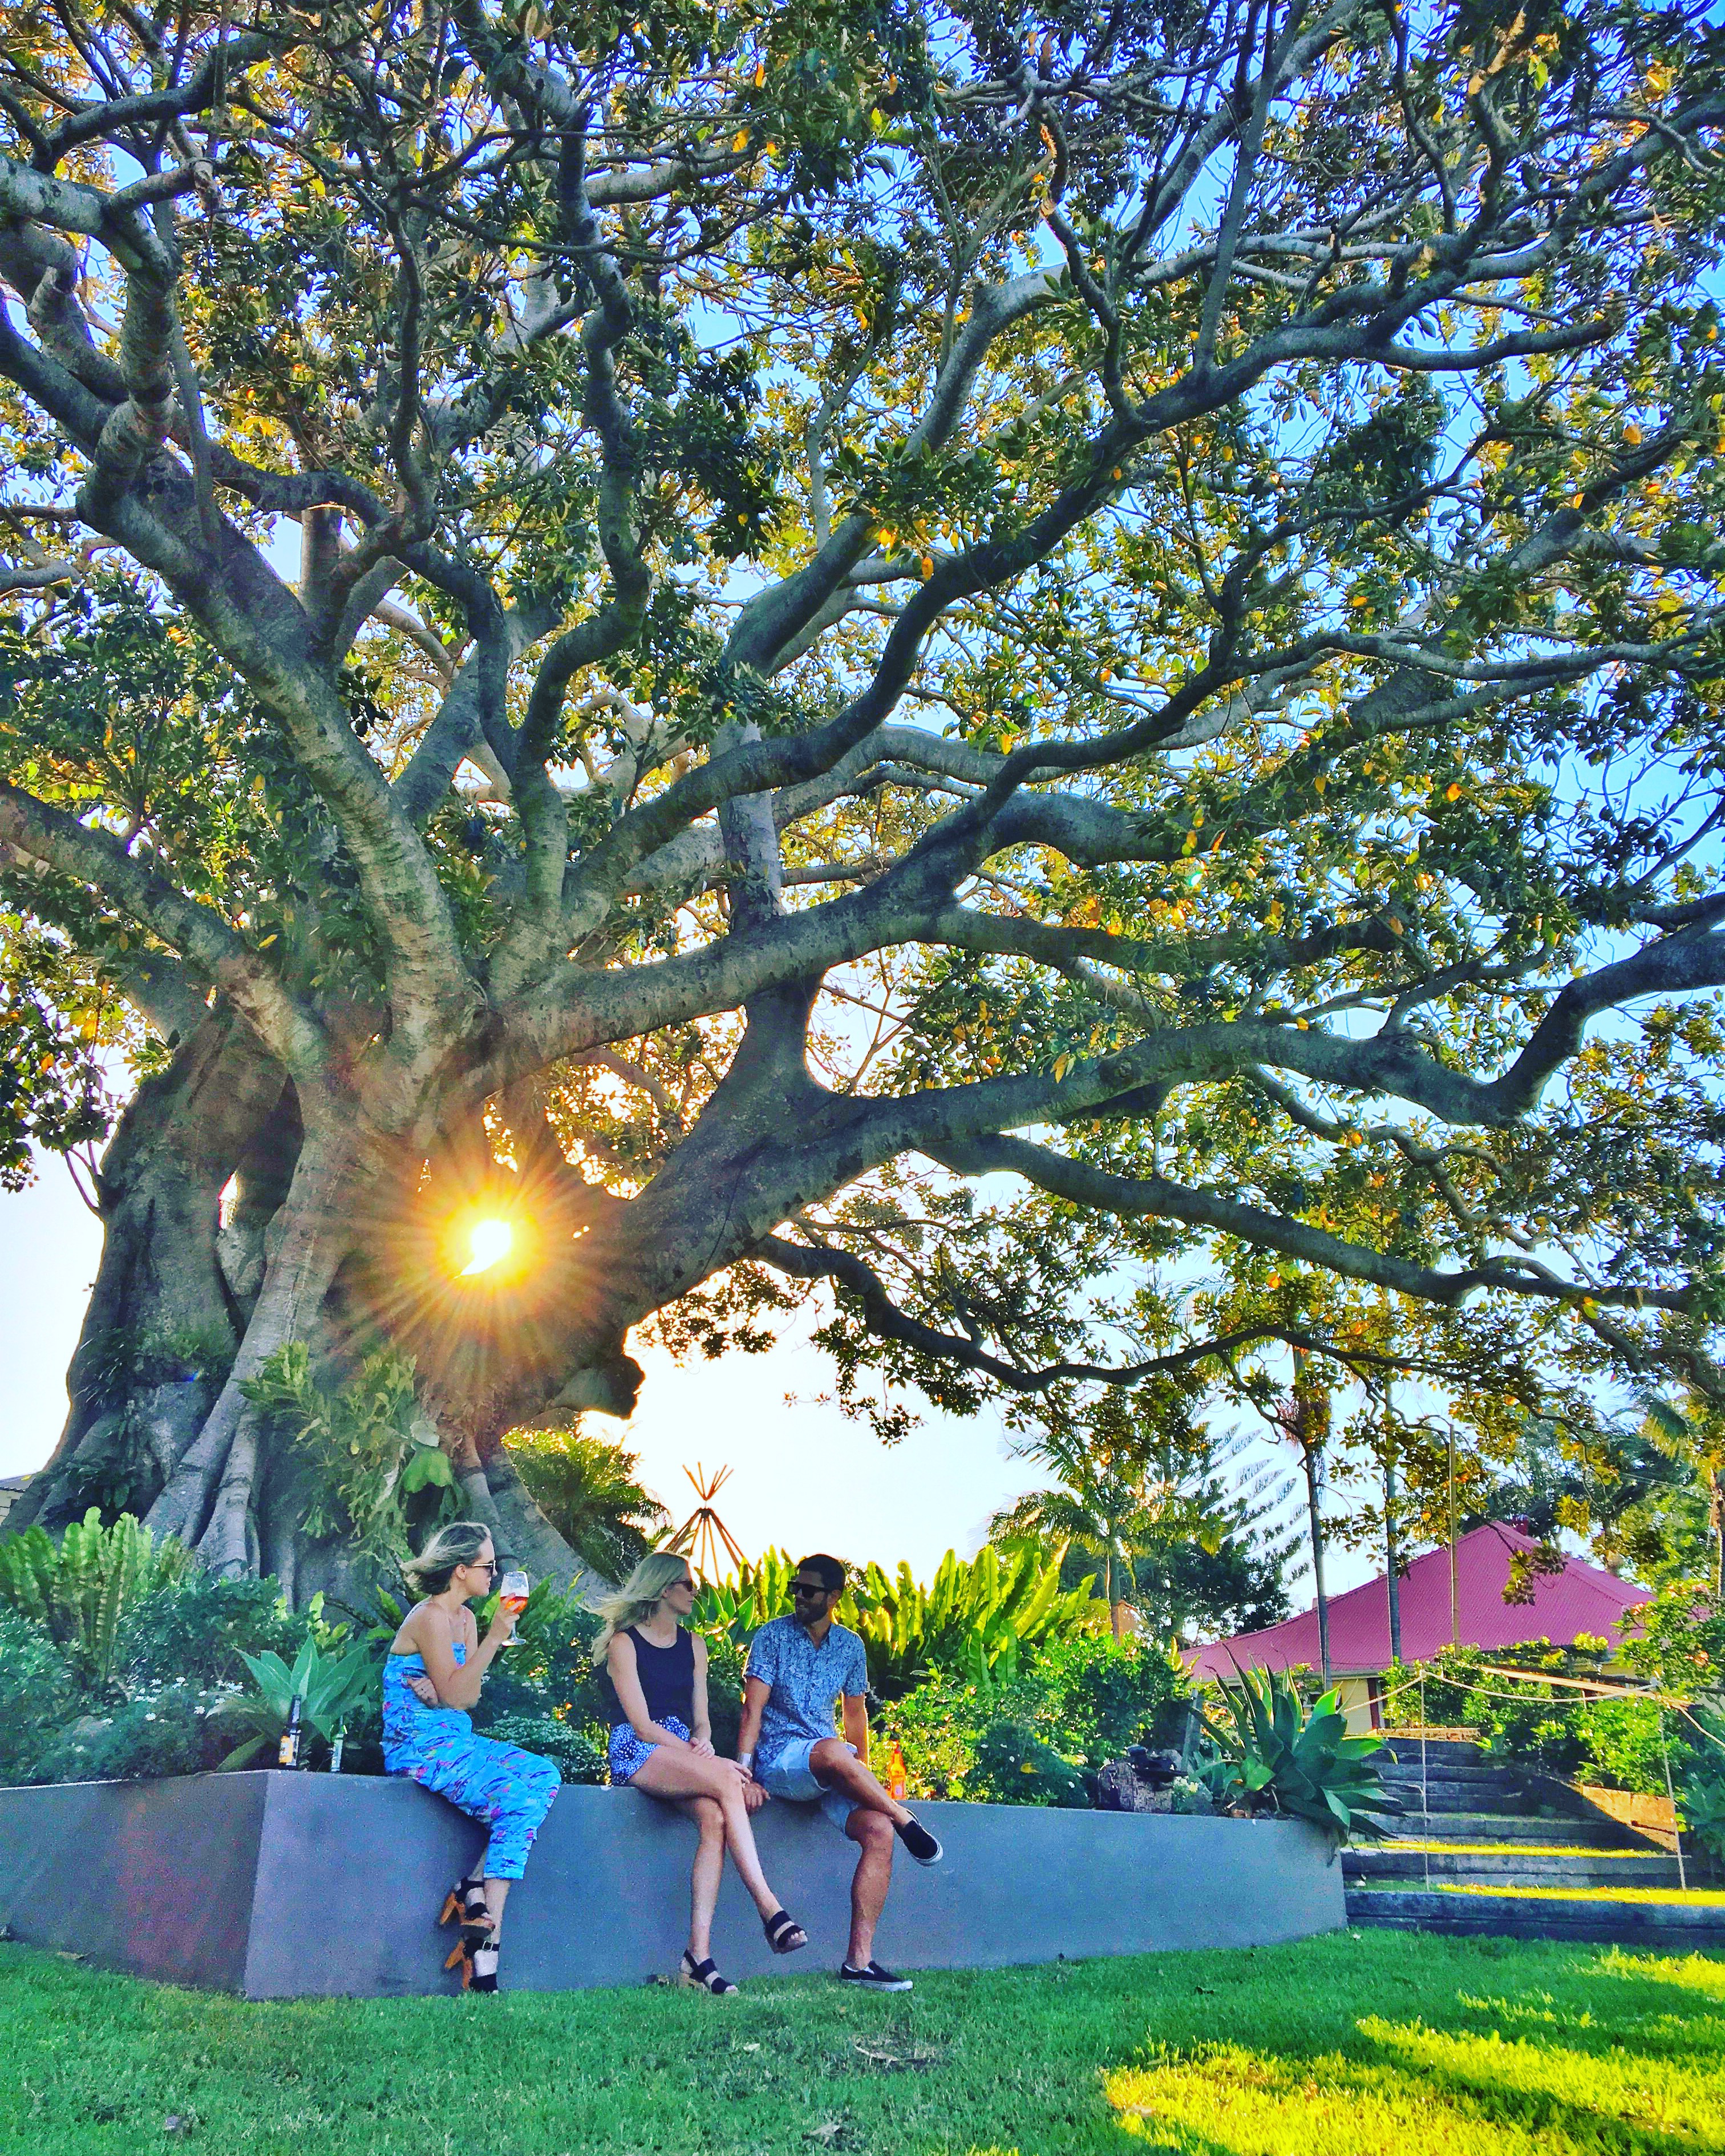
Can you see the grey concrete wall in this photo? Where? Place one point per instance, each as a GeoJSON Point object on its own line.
{"type": "Point", "coordinates": [156, 1877]}
{"type": "Point", "coordinates": [340, 1880]}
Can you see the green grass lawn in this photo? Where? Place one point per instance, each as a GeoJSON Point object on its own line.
{"type": "Point", "coordinates": [1347, 2046]}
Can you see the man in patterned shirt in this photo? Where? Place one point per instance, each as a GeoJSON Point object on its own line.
{"type": "Point", "coordinates": [798, 1666]}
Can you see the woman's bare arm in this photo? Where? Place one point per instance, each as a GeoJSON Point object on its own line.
{"type": "Point", "coordinates": [458, 1683]}
{"type": "Point", "coordinates": [702, 1732]}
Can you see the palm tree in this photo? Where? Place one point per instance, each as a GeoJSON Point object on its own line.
{"type": "Point", "coordinates": [1303, 1417]}
{"type": "Point", "coordinates": [1093, 1509]}
{"type": "Point", "coordinates": [587, 1488]}
{"type": "Point", "coordinates": [1691, 1431]}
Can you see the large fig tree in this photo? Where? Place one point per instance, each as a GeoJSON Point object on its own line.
{"type": "Point", "coordinates": [690, 631]}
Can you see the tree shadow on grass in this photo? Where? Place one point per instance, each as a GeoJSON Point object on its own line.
{"type": "Point", "coordinates": [1622, 2056]}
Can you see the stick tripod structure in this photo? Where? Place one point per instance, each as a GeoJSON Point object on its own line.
{"type": "Point", "coordinates": [704, 1534]}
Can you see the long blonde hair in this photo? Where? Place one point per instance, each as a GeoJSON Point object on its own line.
{"type": "Point", "coordinates": [638, 1597]}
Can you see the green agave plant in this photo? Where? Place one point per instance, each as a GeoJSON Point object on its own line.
{"type": "Point", "coordinates": [1275, 1757]}
{"type": "Point", "coordinates": [81, 1590]}
{"type": "Point", "coordinates": [332, 1687]}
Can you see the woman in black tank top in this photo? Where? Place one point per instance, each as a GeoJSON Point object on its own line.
{"type": "Point", "coordinates": [661, 1743]}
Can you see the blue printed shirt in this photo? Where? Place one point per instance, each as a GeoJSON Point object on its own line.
{"type": "Point", "coordinates": [806, 1680]}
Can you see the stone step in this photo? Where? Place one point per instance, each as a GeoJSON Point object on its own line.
{"type": "Point", "coordinates": [1505, 1797]}
{"type": "Point", "coordinates": [1511, 1865]}
{"type": "Point", "coordinates": [1450, 1775]}
{"type": "Point", "coordinates": [1493, 1826]}
{"type": "Point", "coordinates": [1439, 1751]}
{"type": "Point", "coordinates": [1674, 1926]}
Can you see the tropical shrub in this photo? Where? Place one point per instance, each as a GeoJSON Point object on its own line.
{"type": "Point", "coordinates": [374, 1470]}
{"type": "Point", "coordinates": [579, 1756]}
{"type": "Point", "coordinates": [981, 1618]}
{"type": "Point", "coordinates": [82, 1591]}
{"type": "Point", "coordinates": [36, 1691]}
{"type": "Point", "coordinates": [1013, 1765]}
{"type": "Point", "coordinates": [1701, 1795]}
{"type": "Point", "coordinates": [1273, 1757]}
{"type": "Point", "coordinates": [1613, 1739]}
{"type": "Point", "coordinates": [1626, 1744]}
{"type": "Point", "coordinates": [1085, 1698]}
{"type": "Point", "coordinates": [1680, 1645]}
{"type": "Point", "coordinates": [736, 1609]}
{"type": "Point", "coordinates": [198, 1627]}
{"type": "Point", "coordinates": [178, 1728]}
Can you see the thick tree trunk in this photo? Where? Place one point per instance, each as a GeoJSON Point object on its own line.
{"type": "Point", "coordinates": [163, 1321]}
{"type": "Point", "coordinates": [338, 1232]}
{"type": "Point", "coordinates": [227, 1223]}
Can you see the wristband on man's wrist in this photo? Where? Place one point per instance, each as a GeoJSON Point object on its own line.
{"type": "Point", "coordinates": [746, 1760]}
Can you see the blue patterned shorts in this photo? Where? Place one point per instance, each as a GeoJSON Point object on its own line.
{"type": "Point", "coordinates": [630, 1753]}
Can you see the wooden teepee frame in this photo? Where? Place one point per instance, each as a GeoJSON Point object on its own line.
{"type": "Point", "coordinates": [704, 1534]}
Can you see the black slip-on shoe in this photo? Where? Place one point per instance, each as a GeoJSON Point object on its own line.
{"type": "Point", "coordinates": [920, 1842]}
{"type": "Point", "coordinates": [874, 1978]}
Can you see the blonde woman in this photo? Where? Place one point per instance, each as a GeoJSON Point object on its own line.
{"type": "Point", "coordinates": [432, 1674]}
{"type": "Point", "coordinates": [661, 1742]}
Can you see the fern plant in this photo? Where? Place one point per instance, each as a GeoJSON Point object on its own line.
{"type": "Point", "coordinates": [1275, 1757]}
{"type": "Point", "coordinates": [82, 1591]}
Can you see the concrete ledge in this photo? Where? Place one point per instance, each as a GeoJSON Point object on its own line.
{"type": "Point", "coordinates": [281, 1886]}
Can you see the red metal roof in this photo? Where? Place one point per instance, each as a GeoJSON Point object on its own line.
{"type": "Point", "coordinates": [1581, 1598]}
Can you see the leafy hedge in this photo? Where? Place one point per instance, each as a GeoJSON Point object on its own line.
{"type": "Point", "coordinates": [1551, 1727]}
{"type": "Point", "coordinates": [129, 1662]}
{"type": "Point", "coordinates": [1036, 1739]}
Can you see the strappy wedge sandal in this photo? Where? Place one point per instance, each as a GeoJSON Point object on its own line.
{"type": "Point", "coordinates": [466, 1900]}
{"type": "Point", "coordinates": [480, 1974]}
{"type": "Point", "coordinates": [784, 1934]}
{"type": "Point", "coordinates": [703, 1976]}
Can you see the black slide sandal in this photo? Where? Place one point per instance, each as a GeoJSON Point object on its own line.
{"type": "Point", "coordinates": [784, 1934]}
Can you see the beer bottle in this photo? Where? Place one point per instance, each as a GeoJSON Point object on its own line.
{"type": "Point", "coordinates": [340, 1739]}
{"type": "Point", "coordinates": [288, 1753]}
{"type": "Point", "coordinates": [898, 1775]}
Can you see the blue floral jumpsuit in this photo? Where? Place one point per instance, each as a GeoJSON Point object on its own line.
{"type": "Point", "coordinates": [505, 1788]}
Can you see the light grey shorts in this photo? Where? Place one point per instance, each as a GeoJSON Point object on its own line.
{"type": "Point", "coordinates": [788, 1775]}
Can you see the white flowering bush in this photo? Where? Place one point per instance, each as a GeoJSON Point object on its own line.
{"type": "Point", "coordinates": [173, 1728]}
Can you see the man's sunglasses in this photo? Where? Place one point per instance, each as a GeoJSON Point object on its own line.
{"type": "Point", "coordinates": [806, 1591]}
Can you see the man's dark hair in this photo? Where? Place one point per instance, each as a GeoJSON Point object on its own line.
{"type": "Point", "coordinates": [830, 1572]}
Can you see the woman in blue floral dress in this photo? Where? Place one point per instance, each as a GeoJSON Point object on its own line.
{"type": "Point", "coordinates": [436, 1664]}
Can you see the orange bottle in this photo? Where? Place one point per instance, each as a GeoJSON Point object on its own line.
{"type": "Point", "coordinates": [898, 1775]}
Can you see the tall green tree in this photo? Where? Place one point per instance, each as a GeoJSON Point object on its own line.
{"type": "Point", "coordinates": [1689, 1431]}
{"type": "Point", "coordinates": [885, 602]}
{"type": "Point", "coordinates": [1162, 1512]}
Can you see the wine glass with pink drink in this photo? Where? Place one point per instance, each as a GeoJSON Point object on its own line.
{"type": "Point", "coordinates": [512, 1592]}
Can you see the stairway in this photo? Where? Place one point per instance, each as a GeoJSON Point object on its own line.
{"type": "Point", "coordinates": [1480, 1848]}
